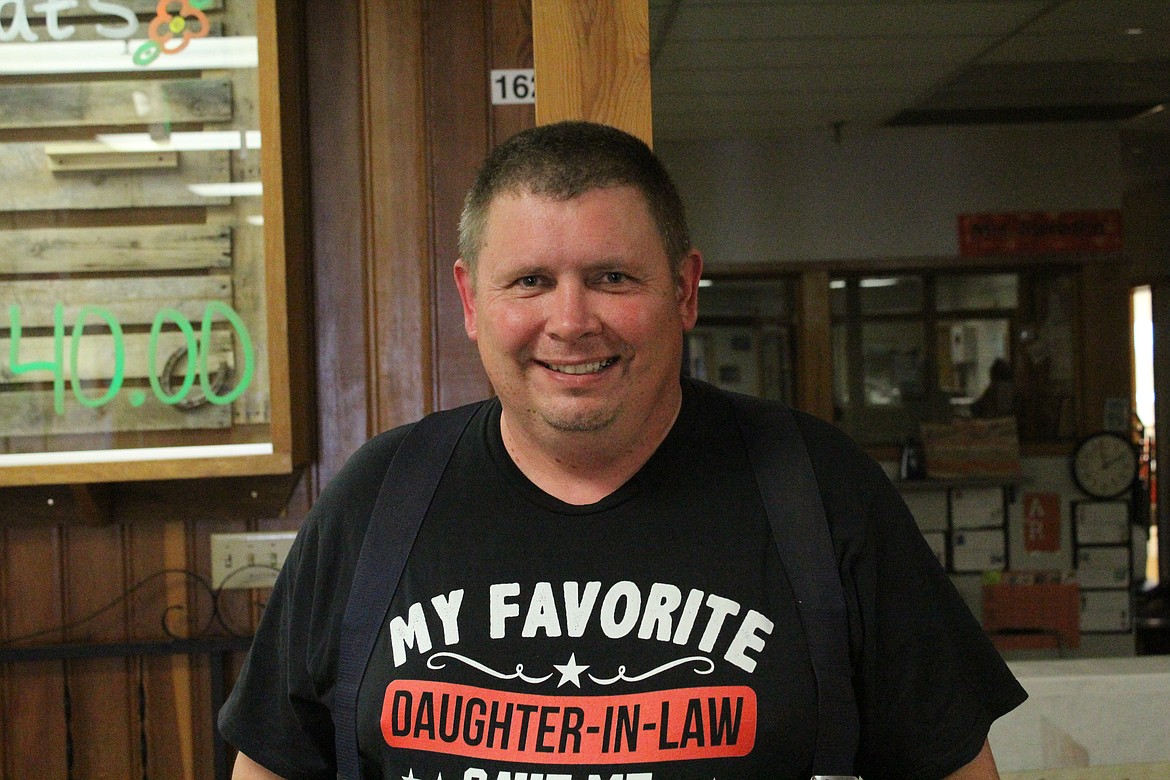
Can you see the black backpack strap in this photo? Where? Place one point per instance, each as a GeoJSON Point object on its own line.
{"type": "Point", "coordinates": [792, 500]}
{"type": "Point", "coordinates": [407, 490]}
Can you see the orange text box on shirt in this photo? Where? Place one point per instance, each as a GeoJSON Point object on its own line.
{"type": "Point", "coordinates": [671, 725]}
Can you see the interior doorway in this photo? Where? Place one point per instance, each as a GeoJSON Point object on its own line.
{"type": "Point", "coordinates": [1143, 404]}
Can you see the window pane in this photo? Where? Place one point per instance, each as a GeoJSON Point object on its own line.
{"type": "Point", "coordinates": [892, 362]}
{"type": "Point", "coordinates": [747, 298]}
{"type": "Point", "coordinates": [752, 359]}
{"type": "Point", "coordinates": [133, 250]}
{"type": "Point", "coordinates": [841, 373]}
{"type": "Point", "coordinates": [743, 339]}
{"type": "Point", "coordinates": [776, 377]}
{"type": "Point", "coordinates": [890, 294]}
{"type": "Point", "coordinates": [977, 291]}
{"type": "Point", "coordinates": [1045, 366]}
{"type": "Point", "coordinates": [838, 297]}
{"type": "Point", "coordinates": [974, 366]}
{"type": "Point", "coordinates": [995, 344]}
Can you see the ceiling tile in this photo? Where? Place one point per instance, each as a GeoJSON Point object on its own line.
{"type": "Point", "coordinates": [702, 21]}
{"type": "Point", "coordinates": [735, 67]}
{"type": "Point", "coordinates": [816, 52]}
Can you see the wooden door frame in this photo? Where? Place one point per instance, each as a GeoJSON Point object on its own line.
{"type": "Point", "coordinates": [399, 120]}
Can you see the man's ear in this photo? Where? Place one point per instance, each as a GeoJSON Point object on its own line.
{"type": "Point", "coordinates": [689, 274]}
{"type": "Point", "coordinates": [465, 283]}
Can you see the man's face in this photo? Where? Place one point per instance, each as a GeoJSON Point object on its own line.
{"type": "Point", "coordinates": [578, 317]}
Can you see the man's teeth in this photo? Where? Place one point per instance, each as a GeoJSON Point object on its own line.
{"type": "Point", "coordinates": [582, 368]}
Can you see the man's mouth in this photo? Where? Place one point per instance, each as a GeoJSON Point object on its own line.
{"type": "Point", "coordinates": [580, 368]}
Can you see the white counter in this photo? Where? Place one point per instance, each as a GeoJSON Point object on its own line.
{"type": "Point", "coordinates": [1087, 712]}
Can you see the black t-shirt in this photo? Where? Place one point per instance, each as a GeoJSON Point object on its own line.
{"type": "Point", "coordinates": [650, 634]}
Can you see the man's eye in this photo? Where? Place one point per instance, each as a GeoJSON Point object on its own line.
{"type": "Point", "coordinates": [615, 277]}
{"type": "Point", "coordinates": [528, 281]}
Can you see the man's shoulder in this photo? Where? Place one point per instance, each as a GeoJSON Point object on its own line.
{"type": "Point", "coordinates": [833, 453]}
{"type": "Point", "coordinates": [369, 464]}
{"type": "Point", "coordinates": [370, 461]}
{"type": "Point", "coordinates": [816, 432]}
{"type": "Point", "coordinates": [341, 514]}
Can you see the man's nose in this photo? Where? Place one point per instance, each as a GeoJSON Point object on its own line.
{"type": "Point", "coordinates": [572, 313]}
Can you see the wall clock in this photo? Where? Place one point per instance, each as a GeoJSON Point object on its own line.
{"type": "Point", "coordinates": [1104, 464]}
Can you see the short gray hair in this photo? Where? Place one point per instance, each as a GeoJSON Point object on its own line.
{"type": "Point", "coordinates": [564, 161]}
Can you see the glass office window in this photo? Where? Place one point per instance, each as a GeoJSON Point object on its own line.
{"type": "Point", "coordinates": [890, 294]}
{"type": "Point", "coordinates": [1000, 344]}
{"type": "Point", "coordinates": [959, 292]}
{"type": "Point", "coordinates": [743, 340]}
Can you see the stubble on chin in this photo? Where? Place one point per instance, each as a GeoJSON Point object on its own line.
{"type": "Point", "coordinates": [576, 420]}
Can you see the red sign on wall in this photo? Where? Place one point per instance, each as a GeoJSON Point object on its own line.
{"type": "Point", "coordinates": [1041, 522]}
{"type": "Point", "coordinates": [1039, 233]}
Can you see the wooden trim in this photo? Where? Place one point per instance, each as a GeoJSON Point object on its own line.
{"type": "Point", "coordinates": [400, 321]}
{"type": "Point", "coordinates": [294, 432]}
{"type": "Point", "coordinates": [510, 38]}
{"type": "Point", "coordinates": [31, 571]}
{"type": "Point", "coordinates": [1145, 214]}
{"type": "Point", "coordinates": [1105, 366]}
{"type": "Point", "coordinates": [104, 709]}
{"type": "Point", "coordinates": [337, 175]}
{"type": "Point", "coordinates": [814, 347]}
{"type": "Point", "coordinates": [939, 263]}
{"type": "Point", "coordinates": [592, 61]}
{"type": "Point", "coordinates": [455, 79]}
{"type": "Point", "coordinates": [277, 463]}
{"type": "Point", "coordinates": [275, 268]}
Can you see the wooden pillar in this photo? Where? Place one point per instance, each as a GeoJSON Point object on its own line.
{"type": "Point", "coordinates": [592, 61]}
{"type": "Point", "coordinates": [814, 345]}
{"type": "Point", "coordinates": [337, 171]}
{"type": "Point", "coordinates": [400, 325]}
{"type": "Point", "coordinates": [1106, 340]}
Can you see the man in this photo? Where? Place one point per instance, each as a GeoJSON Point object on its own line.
{"type": "Point", "coordinates": [595, 591]}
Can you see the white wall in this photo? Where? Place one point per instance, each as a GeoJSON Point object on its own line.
{"type": "Point", "coordinates": [888, 193]}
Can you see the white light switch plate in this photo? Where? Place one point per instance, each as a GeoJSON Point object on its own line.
{"type": "Point", "coordinates": [248, 560]}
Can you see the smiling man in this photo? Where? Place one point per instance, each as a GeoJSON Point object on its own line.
{"type": "Point", "coordinates": [602, 584]}
{"type": "Point", "coordinates": [579, 317]}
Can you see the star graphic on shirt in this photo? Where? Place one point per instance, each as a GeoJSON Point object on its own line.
{"type": "Point", "coordinates": [570, 671]}
{"type": "Point", "coordinates": [409, 775]}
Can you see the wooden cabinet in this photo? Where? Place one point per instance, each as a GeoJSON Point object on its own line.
{"type": "Point", "coordinates": [150, 266]}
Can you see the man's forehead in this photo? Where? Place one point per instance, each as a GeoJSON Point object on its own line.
{"type": "Point", "coordinates": [621, 202]}
{"type": "Point", "coordinates": [530, 190]}
{"type": "Point", "coordinates": [621, 208]}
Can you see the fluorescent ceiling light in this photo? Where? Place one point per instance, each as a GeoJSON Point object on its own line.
{"type": "Point", "coordinates": [212, 140]}
{"type": "Point", "coordinates": [239, 189]}
{"type": "Point", "coordinates": [839, 284]}
{"type": "Point", "coordinates": [1151, 111]}
{"type": "Point", "coordinates": [134, 455]}
{"type": "Point", "coordinates": [113, 56]}
{"type": "Point", "coordinates": [878, 282]}
{"type": "Point", "coordinates": [706, 283]}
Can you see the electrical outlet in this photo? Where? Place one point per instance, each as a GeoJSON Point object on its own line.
{"type": "Point", "coordinates": [248, 560]}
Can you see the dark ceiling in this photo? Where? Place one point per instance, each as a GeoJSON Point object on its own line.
{"type": "Point", "coordinates": [736, 68]}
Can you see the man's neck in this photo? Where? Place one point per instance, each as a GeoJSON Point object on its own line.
{"type": "Point", "coordinates": [582, 467]}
